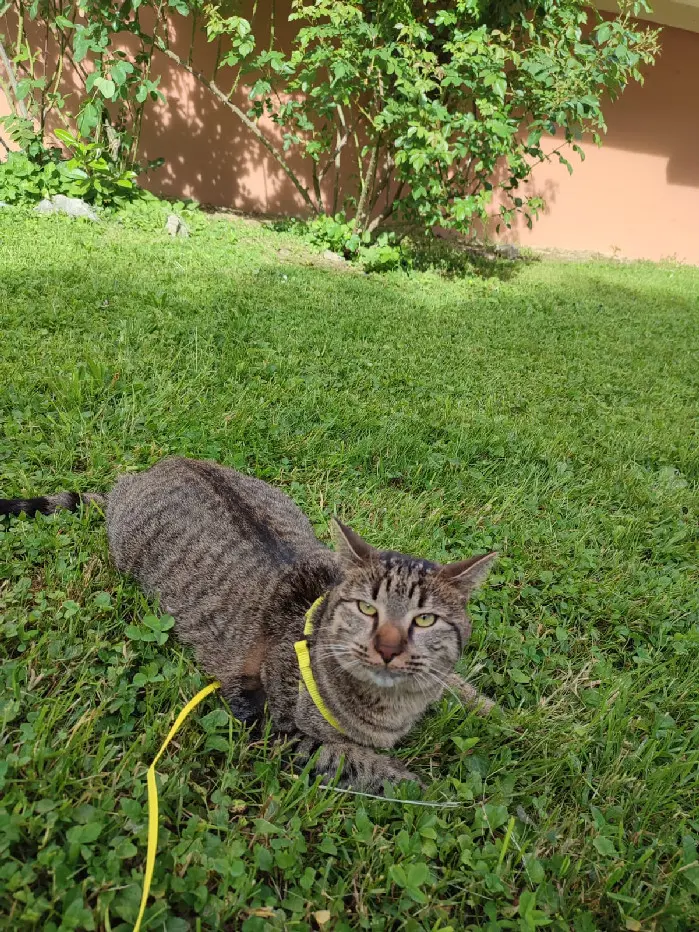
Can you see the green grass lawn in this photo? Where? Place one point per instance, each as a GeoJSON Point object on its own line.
{"type": "Point", "coordinates": [548, 411]}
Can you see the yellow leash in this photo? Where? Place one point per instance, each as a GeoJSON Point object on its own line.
{"type": "Point", "coordinates": [153, 798]}
{"type": "Point", "coordinates": [307, 679]}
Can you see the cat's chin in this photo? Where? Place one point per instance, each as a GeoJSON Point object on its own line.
{"type": "Point", "coordinates": [384, 679]}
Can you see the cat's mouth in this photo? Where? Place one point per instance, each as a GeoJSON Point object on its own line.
{"type": "Point", "coordinates": [382, 676]}
{"type": "Point", "coordinates": [362, 668]}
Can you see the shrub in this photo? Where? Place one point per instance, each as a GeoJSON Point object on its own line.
{"type": "Point", "coordinates": [435, 106]}
{"type": "Point", "coordinates": [438, 105]}
{"type": "Point", "coordinates": [376, 253]}
{"type": "Point", "coordinates": [38, 172]}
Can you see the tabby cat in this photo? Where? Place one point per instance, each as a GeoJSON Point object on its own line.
{"type": "Point", "coordinates": [238, 566]}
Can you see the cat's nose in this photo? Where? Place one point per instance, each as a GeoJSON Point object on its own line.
{"type": "Point", "coordinates": [389, 642]}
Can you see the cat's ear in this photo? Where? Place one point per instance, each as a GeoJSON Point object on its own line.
{"type": "Point", "coordinates": [349, 545]}
{"type": "Point", "coordinates": [469, 574]}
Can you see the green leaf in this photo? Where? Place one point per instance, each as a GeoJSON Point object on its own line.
{"type": "Point", "coordinates": [605, 846]}
{"type": "Point", "coordinates": [24, 88]}
{"type": "Point", "coordinates": [519, 676]}
{"type": "Point", "coordinates": [120, 71]}
{"type": "Point", "coordinates": [76, 916]}
{"type": "Point", "coordinates": [126, 849]}
{"type": "Point", "coordinates": [263, 827]}
{"type": "Point", "coordinates": [397, 874]}
{"type": "Point", "coordinates": [418, 874]}
{"type": "Point", "coordinates": [84, 834]}
{"type": "Point", "coordinates": [534, 869]}
{"type": "Point", "coordinates": [464, 744]}
{"type": "Point", "coordinates": [217, 718]}
{"type": "Point", "coordinates": [263, 858]}
{"type": "Point", "coordinates": [106, 86]}
{"type": "Point", "coordinates": [65, 137]}
{"type": "Point", "coordinates": [82, 43]}
{"type": "Point", "coordinates": [260, 89]}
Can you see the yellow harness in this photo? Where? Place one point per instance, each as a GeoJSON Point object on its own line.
{"type": "Point", "coordinates": [307, 680]}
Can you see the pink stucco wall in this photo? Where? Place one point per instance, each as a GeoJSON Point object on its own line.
{"type": "Point", "coordinates": [637, 196]}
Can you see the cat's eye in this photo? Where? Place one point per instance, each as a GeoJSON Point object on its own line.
{"type": "Point", "coordinates": [425, 621]}
{"type": "Point", "coordinates": [366, 608]}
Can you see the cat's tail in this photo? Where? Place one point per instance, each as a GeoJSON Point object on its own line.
{"type": "Point", "coordinates": [47, 504]}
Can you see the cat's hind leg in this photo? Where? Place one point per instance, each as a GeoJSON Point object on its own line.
{"type": "Point", "coordinates": [245, 696]}
{"type": "Point", "coordinates": [241, 683]}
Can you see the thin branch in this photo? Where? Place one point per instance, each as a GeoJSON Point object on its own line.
{"type": "Point", "coordinates": [160, 20]}
{"type": "Point", "coordinates": [192, 38]}
{"type": "Point", "coordinates": [20, 29]}
{"type": "Point", "coordinates": [42, 93]}
{"type": "Point", "coordinates": [377, 221]}
{"type": "Point", "coordinates": [13, 81]}
{"type": "Point", "coordinates": [316, 185]}
{"type": "Point", "coordinates": [340, 142]}
{"type": "Point", "coordinates": [368, 186]}
{"type": "Point", "coordinates": [358, 153]}
{"type": "Point", "coordinates": [59, 38]}
{"type": "Point", "coordinates": [338, 157]}
{"type": "Point", "coordinates": [246, 121]}
{"type": "Point", "coordinates": [383, 186]}
{"type": "Point", "coordinates": [239, 75]}
{"type": "Point", "coordinates": [217, 60]}
{"type": "Point", "coordinates": [335, 155]}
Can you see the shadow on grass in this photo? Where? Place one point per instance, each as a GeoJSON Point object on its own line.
{"type": "Point", "coordinates": [448, 258]}
{"type": "Point", "coordinates": [454, 260]}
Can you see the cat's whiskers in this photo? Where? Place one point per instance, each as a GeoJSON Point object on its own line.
{"type": "Point", "coordinates": [423, 687]}
{"type": "Point", "coordinates": [429, 672]}
{"type": "Point", "coordinates": [334, 652]}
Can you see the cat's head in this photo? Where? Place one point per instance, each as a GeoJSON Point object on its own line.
{"type": "Point", "coordinates": [399, 620]}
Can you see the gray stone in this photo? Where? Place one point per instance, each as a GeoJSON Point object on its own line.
{"type": "Point", "coordinates": [74, 207]}
{"type": "Point", "coordinates": [507, 251]}
{"type": "Point", "coordinates": [45, 207]}
{"type": "Point", "coordinates": [4, 204]}
{"type": "Point", "coordinates": [333, 256]}
{"type": "Point", "coordinates": [176, 226]}
{"type": "Point", "coordinates": [71, 206]}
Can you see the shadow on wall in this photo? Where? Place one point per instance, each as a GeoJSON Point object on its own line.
{"type": "Point", "coordinates": [607, 193]}
{"type": "Point", "coordinates": [210, 154]}
{"type": "Point", "coordinates": [537, 186]}
{"type": "Point", "coordinates": [658, 118]}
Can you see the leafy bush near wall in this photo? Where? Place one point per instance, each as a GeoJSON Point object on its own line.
{"type": "Point", "coordinates": [38, 171]}
{"type": "Point", "coordinates": [414, 113]}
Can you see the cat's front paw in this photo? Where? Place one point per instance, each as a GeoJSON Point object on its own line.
{"type": "Point", "coordinates": [483, 706]}
{"type": "Point", "coordinates": [394, 772]}
{"type": "Point", "coordinates": [360, 768]}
